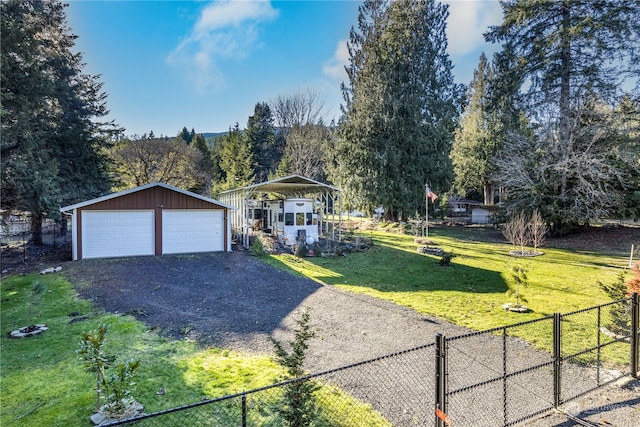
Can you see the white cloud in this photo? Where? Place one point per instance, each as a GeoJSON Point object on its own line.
{"type": "Point", "coordinates": [226, 29]}
{"type": "Point", "coordinates": [468, 20]}
{"type": "Point", "coordinates": [334, 67]}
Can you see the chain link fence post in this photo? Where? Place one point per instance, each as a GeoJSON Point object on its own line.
{"type": "Point", "coordinates": [557, 359]}
{"type": "Point", "coordinates": [635, 318]}
{"type": "Point", "coordinates": [441, 382]}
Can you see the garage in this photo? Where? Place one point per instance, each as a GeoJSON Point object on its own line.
{"type": "Point", "coordinates": [152, 219]}
{"type": "Point", "coordinates": [129, 233]}
{"type": "Point", "coordinates": [190, 231]}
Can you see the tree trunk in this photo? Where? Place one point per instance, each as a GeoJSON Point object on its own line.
{"type": "Point", "coordinates": [565, 74]}
{"type": "Point", "coordinates": [63, 226]}
{"type": "Point", "coordinates": [36, 229]}
{"type": "Point", "coordinates": [489, 193]}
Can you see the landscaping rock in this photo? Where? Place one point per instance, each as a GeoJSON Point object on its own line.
{"type": "Point", "coordinates": [429, 250]}
{"type": "Point", "coordinates": [28, 331]}
{"type": "Point", "coordinates": [51, 270]}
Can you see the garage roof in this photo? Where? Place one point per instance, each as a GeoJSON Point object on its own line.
{"type": "Point", "coordinates": [288, 186]}
{"type": "Point", "coordinates": [141, 188]}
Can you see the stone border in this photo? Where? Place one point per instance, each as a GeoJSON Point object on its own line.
{"type": "Point", "coordinates": [29, 331]}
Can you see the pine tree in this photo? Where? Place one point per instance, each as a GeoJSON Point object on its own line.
{"type": "Point", "coordinates": [52, 139]}
{"type": "Point", "coordinates": [235, 161]}
{"type": "Point", "coordinates": [261, 137]}
{"type": "Point", "coordinates": [400, 108]}
{"type": "Point", "coordinates": [570, 61]}
{"type": "Point", "coordinates": [475, 144]}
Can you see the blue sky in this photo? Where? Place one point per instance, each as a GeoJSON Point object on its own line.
{"type": "Point", "coordinates": [204, 65]}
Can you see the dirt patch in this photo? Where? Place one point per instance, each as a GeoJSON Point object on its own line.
{"type": "Point", "coordinates": [609, 239]}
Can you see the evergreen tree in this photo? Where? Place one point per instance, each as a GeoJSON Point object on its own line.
{"type": "Point", "coordinates": [260, 134]}
{"type": "Point", "coordinates": [475, 144]}
{"type": "Point", "coordinates": [205, 165]}
{"type": "Point", "coordinates": [400, 108]}
{"type": "Point", "coordinates": [569, 58]}
{"type": "Point", "coordinates": [567, 49]}
{"type": "Point", "coordinates": [52, 142]}
{"type": "Point", "coordinates": [235, 161]}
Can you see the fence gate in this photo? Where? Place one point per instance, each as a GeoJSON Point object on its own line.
{"type": "Point", "coordinates": [494, 377]}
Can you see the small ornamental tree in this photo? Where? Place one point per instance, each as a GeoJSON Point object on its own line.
{"type": "Point", "coordinates": [538, 230]}
{"type": "Point", "coordinates": [298, 408]}
{"type": "Point", "coordinates": [516, 231]}
{"type": "Point", "coordinates": [519, 276]}
{"type": "Point", "coordinates": [95, 358]}
{"type": "Point", "coordinates": [523, 230]}
{"type": "Point", "coordinates": [115, 389]}
{"type": "Point", "coordinates": [620, 313]}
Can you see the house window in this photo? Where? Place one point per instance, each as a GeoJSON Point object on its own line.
{"type": "Point", "coordinates": [299, 218]}
{"type": "Point", "coordinates": [288, 218]}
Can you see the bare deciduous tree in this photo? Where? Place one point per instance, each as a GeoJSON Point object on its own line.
{"type": "Point", "coordinates": [305, 150]}
{"type": "Point", "coordinates": [299, 118]}
{"type": "Point", "coordinates": [538, 230]}
{"type": "Point", "coordinates": [516, 231]}
{"type": "Point", "coordinates": [304, 107]}
{"type": "Point", "coordinates": [573, 181]}
{"type": "Point", "coordinates": [171, 161]}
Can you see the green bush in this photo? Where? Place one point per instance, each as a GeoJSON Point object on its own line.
{"type": "Point", "coordinates": [115, 389]}
{"type": "Point", "coordinates": [299, 408]}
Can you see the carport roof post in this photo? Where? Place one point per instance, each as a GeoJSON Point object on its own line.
{"type": "Point", "coordinates": [141, 188]}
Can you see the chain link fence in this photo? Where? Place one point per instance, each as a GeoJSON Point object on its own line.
{"type": "Point", "coordinates": [486, 378]}
{"type": "Point", "coordinates": [19, 244]}
{"type": "Point", "coordinates": [368, 393]}
{"type": "Point", "coordinates": [496, 378]}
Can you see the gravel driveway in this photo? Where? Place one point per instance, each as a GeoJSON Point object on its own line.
{"type": "Point", "coordinates": [233, 300]}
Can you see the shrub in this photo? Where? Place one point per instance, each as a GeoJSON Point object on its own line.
{"type": "Point", "coordinates": [620, 313]}
{"type": "Point", "coordinates": [633, 282]}
{"type": "Point", "coordinates": [298, 408]}
{"type": "Point", "coordinates": [257, 247]}
{"type": "Point", "coordinates": [445, 260]}
{"type": "Point", "coordinates": [116, 389]}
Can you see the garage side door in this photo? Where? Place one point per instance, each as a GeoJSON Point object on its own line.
{"type": "Point", "coordinates": [117, 233]}
{"type": "Point", "coordinates": [190, 231]}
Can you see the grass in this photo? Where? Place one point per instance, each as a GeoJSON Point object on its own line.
{"type": "Point", "coordinates": [43, 381]}
{"type": "Point", "coordinates": [471, 291]}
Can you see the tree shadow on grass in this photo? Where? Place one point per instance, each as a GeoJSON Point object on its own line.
{"type": "Point", "coordinates": [385, 268]}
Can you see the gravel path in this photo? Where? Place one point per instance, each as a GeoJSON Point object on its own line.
{"type": "Point", "coordinates": [233, 300]}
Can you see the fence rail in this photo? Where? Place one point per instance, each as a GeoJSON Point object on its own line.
{"type": "Point", "coordinates": [486, 378]}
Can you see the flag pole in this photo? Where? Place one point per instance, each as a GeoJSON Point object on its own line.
{"type": "Point", "coordinates": [426, 204]}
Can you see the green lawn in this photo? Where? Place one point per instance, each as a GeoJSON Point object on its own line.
{"type": "Point", "coordinates": [471, 291]}
{"type": "Point", "coordinates": [43, 382]}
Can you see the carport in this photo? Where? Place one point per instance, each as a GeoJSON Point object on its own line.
{"type": "Point", "coordinates": [247, 199]}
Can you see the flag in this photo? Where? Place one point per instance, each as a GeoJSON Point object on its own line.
{"type": "Point", "coordinates": [431, 195]}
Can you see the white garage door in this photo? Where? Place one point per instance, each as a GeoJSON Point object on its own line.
{"type": "Point", "coordinates": [190, 231]}
{"type": "Point", "coordinates": [117, 233]}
